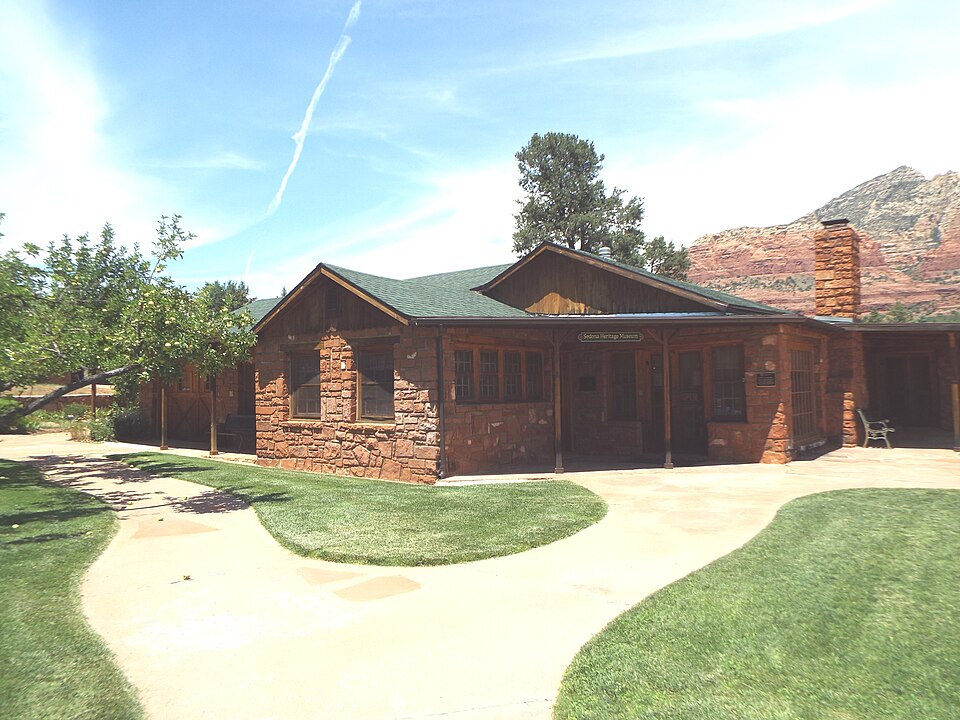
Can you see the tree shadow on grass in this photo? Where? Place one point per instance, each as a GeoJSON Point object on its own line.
{"type": "Point", "coordinates": [47, 537]}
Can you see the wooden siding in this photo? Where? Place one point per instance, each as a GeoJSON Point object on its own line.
{"type": "Point", "coordinates": [326, 304]}
{"type": "Point", "coordinates": [554, 284]}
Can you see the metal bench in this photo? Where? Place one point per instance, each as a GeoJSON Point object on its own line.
{"type": "Point", "coordinates": [241, 429]}
{"type": "Point", "coordinates": [875, 429]}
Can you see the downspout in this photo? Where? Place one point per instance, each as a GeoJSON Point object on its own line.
{"type": "Point", "coordinates": [441, 416]}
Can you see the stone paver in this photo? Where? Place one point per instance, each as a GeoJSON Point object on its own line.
{"type": "Point", "coordinates": [211, 618]}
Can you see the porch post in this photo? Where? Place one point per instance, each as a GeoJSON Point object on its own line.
{"type": "Point", "coordinates": [667, 402]}
{"type": "Point", "coordinates": [163, 416]}
{"type": "Point", "coordinates": [557, 429]}
{"type": "Point", "coordinates": [213, 415]}
{"type": "Point", "coordinates": [955, 389]}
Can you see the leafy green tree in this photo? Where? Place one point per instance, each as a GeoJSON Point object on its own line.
{"type": "Point", "coordinates": [231, 295]}
{"type": "Point", "coordinates": [567, 203]}
{"type": "Point", "coordinates": [96, 306]}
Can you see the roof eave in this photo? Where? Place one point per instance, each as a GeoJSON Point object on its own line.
{"type": "Point", "coordinates": [613, 320]}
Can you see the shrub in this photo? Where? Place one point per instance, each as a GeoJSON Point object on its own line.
{"type": "Point", "coordinates": [128, 423]}
{"type": "Point", "coordinates": [113, 424]}
{"type": "Point", "coordinates": [77, 410]}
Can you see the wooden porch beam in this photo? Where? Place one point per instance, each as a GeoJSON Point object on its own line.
{"type": "Point", "coordinates": [667, 402]}
{"type": "Point", "coordinates": [557, 428]}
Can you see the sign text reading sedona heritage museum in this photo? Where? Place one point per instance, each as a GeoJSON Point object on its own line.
{"type": "Point", "coordinates": [610, 337]}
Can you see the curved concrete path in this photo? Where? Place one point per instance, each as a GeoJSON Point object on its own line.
{"type": "Point", "coordinates": [210, 618]}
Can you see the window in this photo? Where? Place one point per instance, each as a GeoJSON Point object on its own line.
{"type": "Point", "coordinates": [512, 376]}
{"type": "Point", "coordinates": [375, 369]}
{"type": "Point", "coordinates": [728, 389]}
{"type": "Point", "coordinates": [498, 375]}
{"type": "Point", "coordinates": [624, 386]}
{"type": "Point", "coordinates": [305, 385]}
{"type": "Point", "coordinates": [489, 375]}
{"type": "Point", "coordinates": [803, 395]}
{"type": "Point", "coordinates": [464, 367]}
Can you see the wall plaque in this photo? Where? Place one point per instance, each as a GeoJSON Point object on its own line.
{"type": "Point", "coordinates": [766, 379]}
{"type": "Point", "coordinates": [632, 337]}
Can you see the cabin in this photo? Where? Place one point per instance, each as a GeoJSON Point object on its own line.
{"type": "Point", "coordinates": [189, 400]}
{"type": "Point", "coordinates": [565, 356]}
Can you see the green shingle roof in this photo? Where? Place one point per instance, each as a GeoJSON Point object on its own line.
{"type": "Point", "coordinates": [259, 308]}
{"type": "Point", "coordinates": [463, 279]}
{"type": "Point", "coordinates": [423, 298]}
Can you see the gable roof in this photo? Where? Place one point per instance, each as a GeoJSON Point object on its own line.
{"type": "Point", "coordinates": [715, 298]}
{"type": "Point", "coordinates": [461, 295]}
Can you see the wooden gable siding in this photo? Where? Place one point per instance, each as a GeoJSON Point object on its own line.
{"type": "Point", "coordinates": [558, 285]}
{"type": "Point", "coordinates": [326, 304]}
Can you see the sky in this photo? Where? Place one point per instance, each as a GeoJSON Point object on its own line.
{"type": "Point", "coordinates": [380, 134]}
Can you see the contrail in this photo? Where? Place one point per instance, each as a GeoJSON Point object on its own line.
{"type": "Point", "coordinates": [301, 134]}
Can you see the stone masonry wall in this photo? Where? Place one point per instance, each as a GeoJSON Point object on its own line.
{"type": "Point", "coordinates": [846, 388]}
{"type": "Point", "coordinates": [405, 449]}
{"type": "Point", "coordinates": [764, 436]}
{"type": "Point", "coordinates": [837, 270]}
{"type": "Point", "coordinates": [497, 436]}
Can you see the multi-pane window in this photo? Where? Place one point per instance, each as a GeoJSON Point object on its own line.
{"type": "Point", "coordinates": [375, 370]}
{"type": "Point", "coordinates": [305, 385]}
{"type": "Point", "coordinates": [489, 375]}
{"type": "Point", "coordinates": [728, 388]}
{"type": "Point", "coordinates": [463, 360]}
{"type": "Point", "coordinates": [498, 375]}
{"type": "Point", "coordinates": [512, 376]}
{"type": "Point", "coordinates": [624, 386]}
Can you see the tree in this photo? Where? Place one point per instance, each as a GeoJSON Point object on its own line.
{"type": "Point", "coordinates": [567, 204]}
{"type": "Point", "coordinates": [231, 295]}
{"type": "Point", "coordinates": [96, 306]}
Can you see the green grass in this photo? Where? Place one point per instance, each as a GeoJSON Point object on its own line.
{"type": "Point", "coordinates": [382, 523]}
{"type": "Point", "coordinates": [847, 606]}
{"type": "Point", "coordinates": [51, 664]}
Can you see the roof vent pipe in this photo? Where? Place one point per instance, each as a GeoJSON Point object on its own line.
{"type": "Point", "coordinates": [604, 252]}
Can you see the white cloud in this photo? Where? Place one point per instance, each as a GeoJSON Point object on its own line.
{"type": "Point", "coordinates": [718, 24]}
{"type": "Point", "coordinates": [464, 220]}
{"type": "Point", "coordinates": [218, 161]}
{"type": "Point", "coordinates": [56, 171]}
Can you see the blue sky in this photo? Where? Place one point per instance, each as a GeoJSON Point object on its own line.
{"type": "Point", "coordinates": [718, 114]}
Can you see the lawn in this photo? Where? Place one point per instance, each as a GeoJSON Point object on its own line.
{"type": "Point", "coordinates": [51, 664]}
{"type": "Point", "coordinates": [846, 606]}
{"type": "Point", "coordinates": [383, 523]}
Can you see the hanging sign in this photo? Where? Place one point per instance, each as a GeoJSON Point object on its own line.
{"type": "Point", "coordinates": [625, 337]}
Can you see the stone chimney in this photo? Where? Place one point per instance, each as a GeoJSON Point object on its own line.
{"type": "Point", "coordinates": [837, 270]}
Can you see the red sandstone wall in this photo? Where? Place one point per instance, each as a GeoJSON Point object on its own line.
{"type": "Point", "coordinates": [764, 437]}
{"type": "Point", "coordinates": [406, 449]}
{"type": "Point", "coordinates": [846, 388]}
{"type": "Point", "coordinates": [495, 437]}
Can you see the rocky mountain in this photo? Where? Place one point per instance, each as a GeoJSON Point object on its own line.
{"type": "Point", "coordinates": [909, 230]}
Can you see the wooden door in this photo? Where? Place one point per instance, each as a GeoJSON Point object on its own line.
{"type": "Point", "coordinates": [908, 386]}
{"type": "Point", "coordinates": [688, 425]}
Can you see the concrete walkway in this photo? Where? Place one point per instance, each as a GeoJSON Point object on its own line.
{"type": "Point", "coordinates": [210, 618]}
